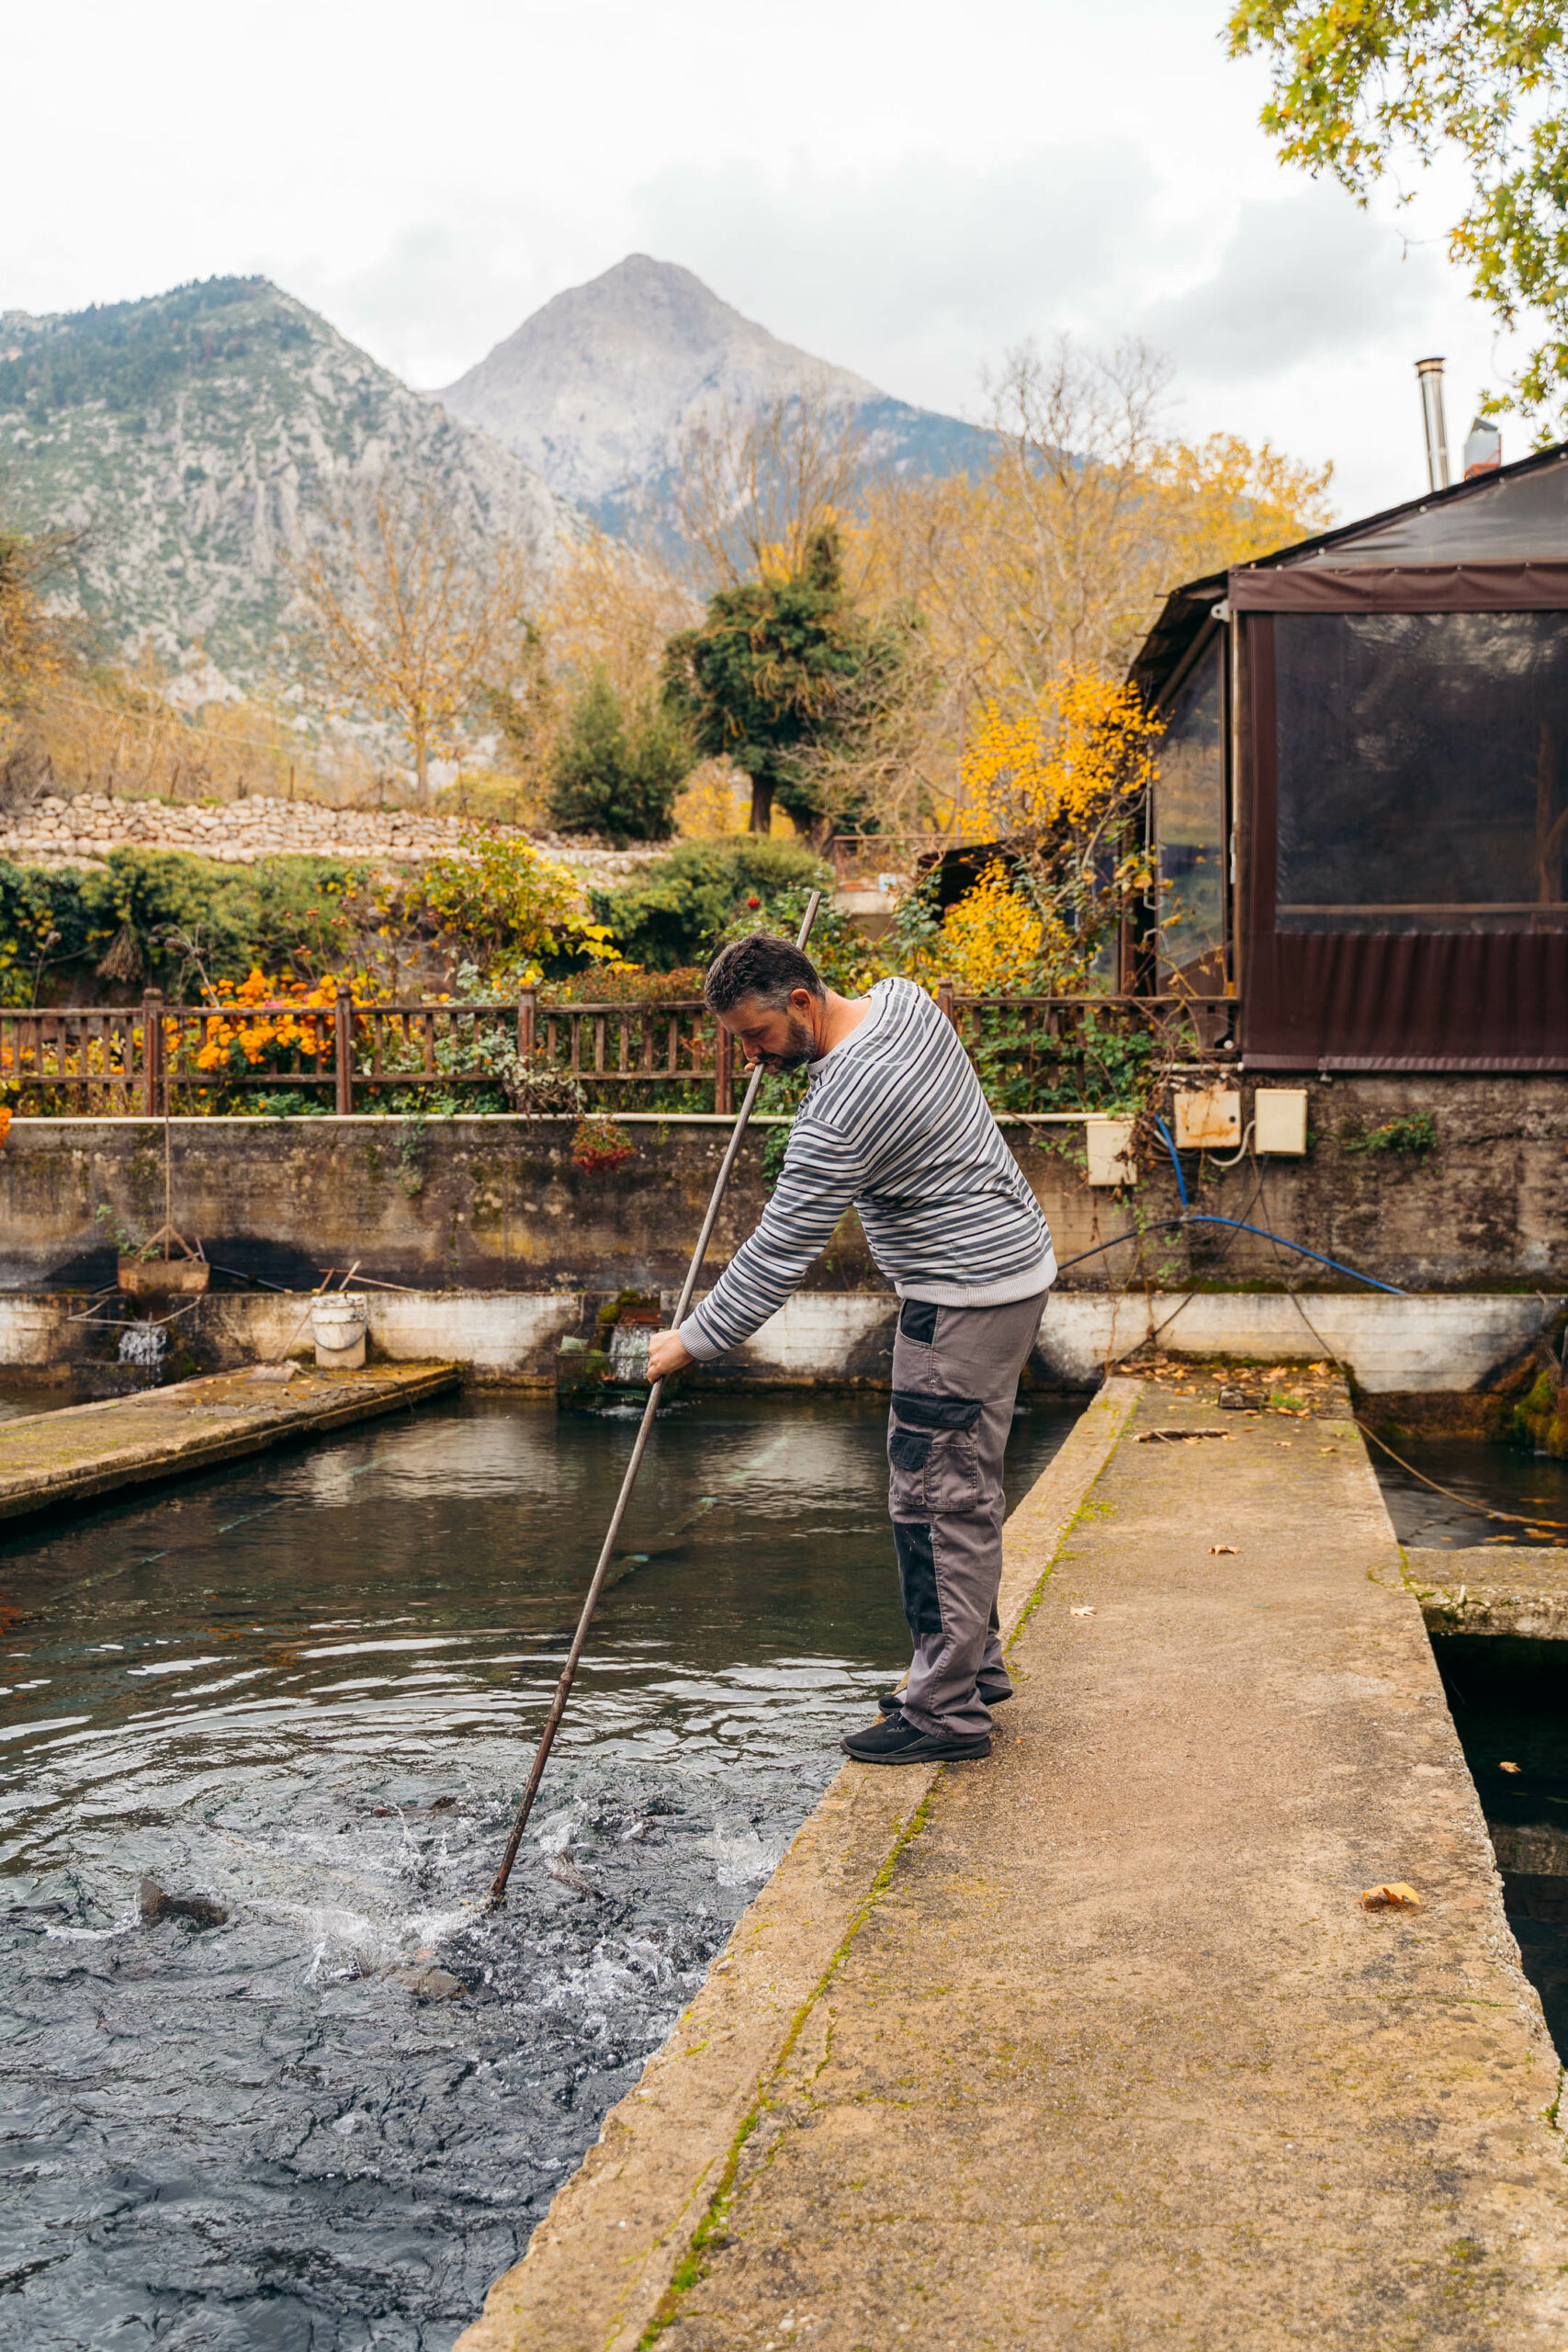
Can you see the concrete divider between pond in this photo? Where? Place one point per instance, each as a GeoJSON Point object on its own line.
{"type": "Point", "coordinates": [1097, 2044]}
{"type": "Point", "coordinates": [83, 1452]}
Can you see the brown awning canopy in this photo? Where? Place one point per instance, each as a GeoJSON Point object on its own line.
{"type": "Point", "coordinates": [1402, 588]}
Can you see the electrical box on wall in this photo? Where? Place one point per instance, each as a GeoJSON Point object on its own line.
{"type": "Point", "coordinates": [1209, 1119]}
{"type": "Point", "coordinates": [1279, 1120]}
{"type": "Point", "coordinates": [1108, 1146]}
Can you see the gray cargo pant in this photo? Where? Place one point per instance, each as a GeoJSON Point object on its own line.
{"type": "Point", "coordinates": [954, 1379]}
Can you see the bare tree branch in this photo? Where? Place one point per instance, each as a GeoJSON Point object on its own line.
{"type": "Point", "coordinates": [404, 617]}
{"type": "Point", "coordinates": [752, 490]}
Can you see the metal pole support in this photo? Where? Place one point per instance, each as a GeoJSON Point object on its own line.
{"type": "Point", "coordinates": [568, 1671]}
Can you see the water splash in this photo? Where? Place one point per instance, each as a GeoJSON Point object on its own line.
{"type": "Point", "coordinates": [144, 1344]}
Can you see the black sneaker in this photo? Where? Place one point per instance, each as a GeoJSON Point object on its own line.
{"type": "Point", "coordinates": [891, 1702]}
{"type": "Point", "coordinates": [895, 1741]}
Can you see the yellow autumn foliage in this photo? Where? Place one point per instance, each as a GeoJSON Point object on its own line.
{"type": "Point", "coordinates": [989, 943]}
{"type": "Point", "coordinates": [1084, 751]}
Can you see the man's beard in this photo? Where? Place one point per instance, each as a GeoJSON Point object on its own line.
{"type": "Point", "coordinates": [803, 1048]}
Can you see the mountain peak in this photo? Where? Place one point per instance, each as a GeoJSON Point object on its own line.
{"type": "Point", "coordinates": [595, 389]}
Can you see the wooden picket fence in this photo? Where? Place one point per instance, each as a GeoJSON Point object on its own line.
{"type": "Point", "coordinates": [142, 1061]}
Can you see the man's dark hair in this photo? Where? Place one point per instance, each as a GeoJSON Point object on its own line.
{"type": "Point", "coordinates": [762, 967]}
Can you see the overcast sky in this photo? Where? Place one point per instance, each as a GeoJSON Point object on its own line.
{"type": "Point", "coordinates": [906, 189]}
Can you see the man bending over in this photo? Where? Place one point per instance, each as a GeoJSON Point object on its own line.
{"type": "Point", "coordinates": [894, 1122]}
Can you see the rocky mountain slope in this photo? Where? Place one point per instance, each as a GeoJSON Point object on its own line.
{"type": "Point", "coordinates": [196, 438]}
{"type": "Point", "coordinates": [595, 390]}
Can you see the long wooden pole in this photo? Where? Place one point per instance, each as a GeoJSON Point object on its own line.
{"type": "Point", "coordinates": [579, 1640]}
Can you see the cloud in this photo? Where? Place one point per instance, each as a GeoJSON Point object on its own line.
{"type": "Point", "coordinates": [919, 273]}
{"type": "Point", "coordinates": [1305, 278]}
{"type": "Point", "coordinates": [435, 300]}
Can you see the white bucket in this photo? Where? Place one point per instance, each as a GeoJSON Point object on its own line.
{"type": "Point", "coordinates": [337, 1325]}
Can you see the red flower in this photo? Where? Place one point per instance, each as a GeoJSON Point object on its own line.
{"type": "Point", "coordinates": [753, 902]}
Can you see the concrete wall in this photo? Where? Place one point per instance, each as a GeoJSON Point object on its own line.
{"type": "Point", "coordinates": [485, 1203]}
{"type": "Point", "coordinates": [1395, 1346]}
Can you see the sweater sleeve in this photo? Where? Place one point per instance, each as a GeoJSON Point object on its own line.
{"type": "Point", "coordinates": [821, 1177]}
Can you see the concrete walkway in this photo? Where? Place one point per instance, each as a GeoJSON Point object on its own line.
{"type": "Point", "coordinates": [1110, 2056]}
{"type": "Point", "coordinates": [83, 1452]}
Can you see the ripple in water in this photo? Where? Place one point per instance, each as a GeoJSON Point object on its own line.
{"type": "Point", "coordinates": [307, 1688]}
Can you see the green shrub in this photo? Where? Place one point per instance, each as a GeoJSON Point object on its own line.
{"type": "Point", "coordinates": [622, 984]}
{"type": "Point", "coordinates": [159, 918]}
{"type": "Point", "coordinates": [1417, 1135]}
{"type": "Point", "coordinates": [512, 908]}
{"type": "Point", "coordinates": [616, 772]}
{"type": "Point", "coordinates": [679, 907]}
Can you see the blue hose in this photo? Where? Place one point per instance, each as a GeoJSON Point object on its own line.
{"type": "Point", "coordinates": [1170, 1143]}
{"type": "Point", "coordinates": [1194, 1217]}
{"type": "Point", "coordinates": [1197, 1217]}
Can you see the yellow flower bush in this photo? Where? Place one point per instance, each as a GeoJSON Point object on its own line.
{"type": "Point", "coordinates": [989, 943]}
{"type": "Point", "coordinates": [290, 1016]}
{"type": "Point", "coordinates": [1083, 754]}
{"type": "Point", "coordinates": [1061, 784]}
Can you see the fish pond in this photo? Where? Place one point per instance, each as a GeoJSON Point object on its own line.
{"type": "Point", "coordinates": [272, 2078]}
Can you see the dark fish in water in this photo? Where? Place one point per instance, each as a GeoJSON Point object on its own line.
{"type": "Point", "coordinates": [199, 1909]}
{"type": "Point", "coordinates": [429, 1983]}
{"type": "Point", "coordinates": [569, 1875]}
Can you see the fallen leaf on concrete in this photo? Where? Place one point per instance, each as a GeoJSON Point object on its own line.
{"type": "Point", "coordinates": [1509, 1768]}
{"type": "Point", "coordinates": [1397, 1897]}
{"type": "Point", "coordinates": [1221, 1547]}
{"type": "Point", "coordinates": [1080, 1612]}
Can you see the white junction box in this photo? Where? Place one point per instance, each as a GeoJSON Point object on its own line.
{"type": "Point", "coordinates": [1279, 1120]}
{"type": "Point", "coordinates": [1209, 1119]}
{"type": "Point", "coordinates": [1108, 1147]}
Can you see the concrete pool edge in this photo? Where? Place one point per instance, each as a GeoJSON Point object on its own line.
{"type": "Point", "coordinates": [666, 2152]}
{"type": "Point", "coordinates": [80, 1454]}
{"type": "Point", "coordinates": [1514, 1590]}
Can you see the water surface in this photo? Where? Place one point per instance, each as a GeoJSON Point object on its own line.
{"type": "Point", "coordinates": [307, 1688]}
{"type": "Point", "coordinates": [1478, 1475]}
{"type": "Point", "coordinates": [1509, 1703]}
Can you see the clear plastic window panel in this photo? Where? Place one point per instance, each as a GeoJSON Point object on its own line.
{"type": "Point", "coordinates": [1189, 828]}
{"type": "Point", "coordinates": [1423, 770]}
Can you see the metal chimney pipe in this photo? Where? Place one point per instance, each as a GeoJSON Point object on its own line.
{"type": "Point", "coordinates": [1429, 375]}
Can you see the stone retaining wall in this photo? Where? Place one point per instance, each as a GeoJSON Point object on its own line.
{"type": "Point", "coordinates": [58, 832]}
{"type": "Point", "coordinates": [497, 1203]}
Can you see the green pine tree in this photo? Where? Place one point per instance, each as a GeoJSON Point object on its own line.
{"type": "Point", "coordinates": [766, 676]}
{"type": "Point", "coordinates": [617, 773]}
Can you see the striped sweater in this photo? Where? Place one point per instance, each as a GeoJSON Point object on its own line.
{"type": "Point", "coordinates": [894, 1122]}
